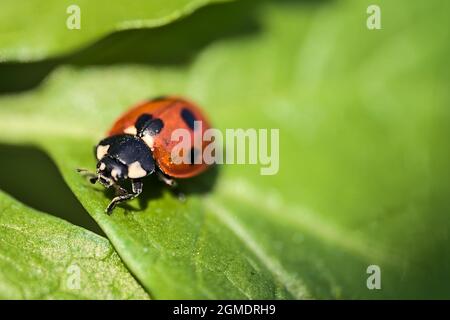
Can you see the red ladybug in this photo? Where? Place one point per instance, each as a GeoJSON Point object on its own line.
{"type": "Point", "coordinates": [139, 144]}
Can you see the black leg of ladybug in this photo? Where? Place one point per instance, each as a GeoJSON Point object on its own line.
{"type": "Point", "coordinates": [137, 189]}
{"type": "Point", "coordinates": [169, 181]}
{"type": "Point", "coordinates": [119, 190]}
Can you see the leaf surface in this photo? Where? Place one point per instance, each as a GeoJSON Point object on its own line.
{"type": "Point", "coordinates": [43, 257]}
{"type": "Point", "coordinates": [34, 30]}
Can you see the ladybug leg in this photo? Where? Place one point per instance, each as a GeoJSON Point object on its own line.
{"type": "Point", "coordinates": [137, 189]}
{"type": "Point", "coordinates": [119, 190]}
{"type": "Point", "coordinates": [162, 177]}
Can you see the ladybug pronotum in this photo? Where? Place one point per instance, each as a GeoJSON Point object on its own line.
{"type": "Point", "coordinates": [139, 144]}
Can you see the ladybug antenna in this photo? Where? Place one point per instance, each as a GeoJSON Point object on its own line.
{"type": "Point", "coordinates": [92, 176]}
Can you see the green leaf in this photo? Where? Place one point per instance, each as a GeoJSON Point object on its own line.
{"type": "Point", "coordinates": [363, 174]}
{"type": "Point", "coordinates": [36, 30]}
{"type": "Point", "coordinates": [43, 257]}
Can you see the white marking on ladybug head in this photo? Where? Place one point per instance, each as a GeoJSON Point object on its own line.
{"type": "Point", "coordinates": [114, 173]}
{"type": "Point", "coordinates": [102, 166]}
{"type": "Point", "coordinates": [149, 141]}
{"type": "Point", "coordinates": [102, 151]}
{"type": "Point", "coordinates": [131, 130]}
{"type": "Point", "coordinates": [135, 170]}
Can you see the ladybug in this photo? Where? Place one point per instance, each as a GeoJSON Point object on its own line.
{"type": "Point", "coordinates": [139, 144]}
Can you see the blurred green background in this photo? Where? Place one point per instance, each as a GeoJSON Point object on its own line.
{"type": "Point", "coordinates": [364, 154]}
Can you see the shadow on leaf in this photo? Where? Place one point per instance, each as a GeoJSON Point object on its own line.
{"type": "Point", "coordinates": [153, 189]}
{"type": "Point", "coordinates": [30, 176]}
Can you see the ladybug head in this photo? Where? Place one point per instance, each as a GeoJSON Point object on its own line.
{"type": "Point", "coordinates": [119, 158]}
{"type": "Point", "coordinates": [110, 170]}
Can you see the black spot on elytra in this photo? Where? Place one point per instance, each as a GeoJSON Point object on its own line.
{"type": "Point", "coordinates": [142, 121]}
{"type": "Point", "coordinates": [153, 127]}
{"type": "Point", "coordinates": [188, 117]}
